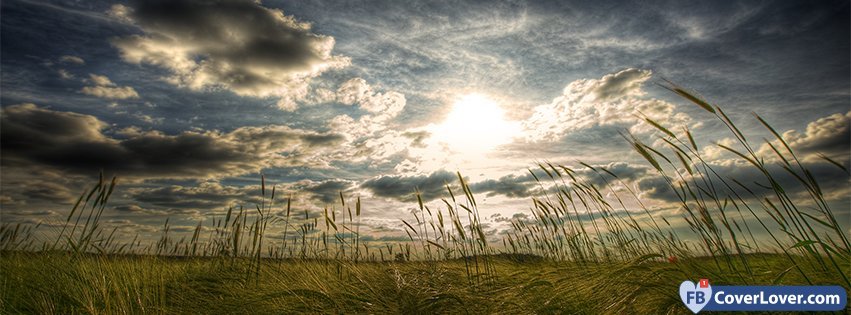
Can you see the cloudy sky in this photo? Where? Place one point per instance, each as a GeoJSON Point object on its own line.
{"type": "Point", "coordinates": [189, 101]}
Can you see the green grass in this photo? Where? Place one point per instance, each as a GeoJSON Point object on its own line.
{"type": "Point", "coordinates": [98, 284]}
{"type": "Point", "coordinates": [583, 250]}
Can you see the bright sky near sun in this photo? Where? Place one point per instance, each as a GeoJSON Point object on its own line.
{"type": "Point", "coordinates": [474, 127]}
{"type": "Point", "coordinates": [189, 101]}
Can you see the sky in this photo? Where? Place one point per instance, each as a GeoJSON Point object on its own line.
{"type": "Point", "coordinates": [188, 102]}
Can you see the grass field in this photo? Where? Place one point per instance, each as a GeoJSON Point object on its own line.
{"type": "Point", "coordinates": [62, 283]}
{"type": "Point", "coordinates": [582, 250]}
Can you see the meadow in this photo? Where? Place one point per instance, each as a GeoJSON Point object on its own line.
{"type": "Point", "coordinates": [582, 249]}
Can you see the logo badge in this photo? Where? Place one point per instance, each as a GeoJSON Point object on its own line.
{"type": "Point", "coordinates": [695, 296]}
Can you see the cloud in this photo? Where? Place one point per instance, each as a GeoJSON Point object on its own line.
{"type": "Point", "coordinates": [33, 213]}
{"type": "Point", "coordinates": [656, 187]}
{"type": "Point", "coordinates": [328, 191]}
{"type": "Point", "coordinates": [524, 185]}
{"type": "Point", "coordinates": [513, 186]}
{"type": "Point", "coordinates": [236, 45]}
{"type": "Point", "coordinates": [827, 135]}
{"type": "Point", "coordinates": [357, 91]}
{"type": "Point", "coordinates": [76, 143]}
{"type": "Point", "coordinates": [624, 83]}
{"type": "Point", "coordinates": [104, 88]}
{"type": "Point", "coordinates": [100, 80]}
{"type": "Point", "coordinates": [72, 59]}
{"type": "Point", "coordinates": [120, 12]}
{"type": "Point", "coordinates": [381, 107]}
{"type": "Point", "coordinates": [384, 238]}
{"type": "Point", "coordinates": [591, 103]}
{"type": "Point", "coordinates": [205, 196]}
{"type": "Point", "coordinates": [64, 74]}
{"type": "Point", "coordinates": [129, 208]}
{"type": "Point", "coordinates": [154, 212]}
{"type": "Point", "coordinates": [831, 179]}
{"type": "Point", "coordinates": [624, 171]}
{"type": "Point", "coordinates": [519, 216]}
{"type": "Point", "coordinates": [403, 188]}
{"type": "Point", "coordinates": [6, 200]}
{"type": "Point", "coordinates": [418, 137]}
{"type": "Point", "coordinates": [48, 191]}
{"type": "Point", "coordinates": [369, 136]}
{"type": "Point", "coordinates": [120, 93]}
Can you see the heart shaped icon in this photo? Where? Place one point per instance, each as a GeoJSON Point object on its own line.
{"type": "Point", "coordinates": [693, 296]}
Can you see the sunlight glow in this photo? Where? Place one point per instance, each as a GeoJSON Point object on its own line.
{"type": "Point", "coordinates": [476, 125]}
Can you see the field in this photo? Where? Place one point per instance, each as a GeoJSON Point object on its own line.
{"type": "Point", "coordinates": [62, 283]}
{"type": "Point", "coordinates": [581, 251]}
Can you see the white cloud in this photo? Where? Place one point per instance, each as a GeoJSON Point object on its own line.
{"type": "Point", "coordinates": [72, 59]}
{"type": "Point", "coordinates": [64, 74]}
{"type": "Point", "coordinates": [120, 12]}
{"type": "Point", "coordinates": [614, 99]}
{"type": "Point", "coordinates": [104, 88]}
{"type": "Point", "coordinates": [101, 80]}
{"type": "Point", "coordinates": [828, 135]}
{"type": "Point", "coordinates": [385, 105]}
{"type": "Point", "coordinates": [369, 136]}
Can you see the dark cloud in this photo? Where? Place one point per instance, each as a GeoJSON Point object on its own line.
{"type": "Point", "coordinates": [205, 196]}
{"type": "Point", "coordinates": [624, 171]}
{"type": "Point", "coordinates": [583, 145]}
{"type": "Point", "coordinates": [76, 143]}
{"type": "Point", "coordinates": [829, 177]}
{"type": "Point", "coordinates": [238, 45]}
{"type": "Point", "coordinates": [48, 191]}
{"type": "Point", "coordinates": [417, 138]}
{"type": "Point", "coordinates": [520, 186]}
{"type": "Point", "coordinates": [828, 135]}
{"type": "Point", "coordinates": [513, 186]}
{"type": "Point", "coordinates": [216, 196]}
{"type": "Point", "coordinates": [329, 191]}
{"type": "Point", "coordinates": [24, 189]}
{"type": "Point", "coordinates": [129, 208]}
{"type": "Point", "coordinates": [27, 126]}
{"type": "Point", "coordinates": [656, 187]}
{"type": "Point", "coordinates": [518, 216]}
{"type": "Point", "coordinates": [384, 238]}
{"type": "Point", "coordinates": [403, 188]}
{"type": "Point", "coordinates": [152, 214]}
{"type": "Point", "coordinates": [33, 213]}
{"type": "Point", "coordinates": [6, 200]}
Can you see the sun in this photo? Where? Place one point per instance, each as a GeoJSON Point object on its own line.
{"type": "Point", "coordinates": [476, 125]}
